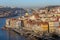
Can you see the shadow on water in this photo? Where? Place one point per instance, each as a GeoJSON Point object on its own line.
{"type": "Point", "coordinates": [14, 36]}
{"type": "Point", "coordinates": [10, 35]}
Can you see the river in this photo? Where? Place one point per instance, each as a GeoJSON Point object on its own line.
{"type": "Point", "coordinates": [8, 35]}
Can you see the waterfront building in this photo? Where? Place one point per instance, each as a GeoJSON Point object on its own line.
{"type": "Point", "coordinates": [8, 23]}
{"type": "Point", "coordinates": [41, 20]}
{"type": "Point", "coordinates": [12, 23]}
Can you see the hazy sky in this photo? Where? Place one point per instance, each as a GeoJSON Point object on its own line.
{"type": "Point", "coordinates": [29, 3]}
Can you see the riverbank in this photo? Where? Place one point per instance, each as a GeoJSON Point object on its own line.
{"type": "Point", "coordinates": [10, 35]}
{"type": "Point", "coordinates": [46, 36]}
{"type": "Point", "coordinates": [28, 35]}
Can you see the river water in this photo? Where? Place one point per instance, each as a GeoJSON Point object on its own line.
{"type": "Point", "coordinates": [8, 35]}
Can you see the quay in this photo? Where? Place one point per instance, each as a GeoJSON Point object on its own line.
{"type": "Point", "coordinates": [52, 37]}
{"type": "Point", "coordinates": [27, 33]}
{"type": "Point", "coordinates": [17, 31]}
{"type": "Point", "coordinates": [23, 32]}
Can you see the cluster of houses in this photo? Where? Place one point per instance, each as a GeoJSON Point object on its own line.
{"type": "Point", "coordinates": [38, 20]}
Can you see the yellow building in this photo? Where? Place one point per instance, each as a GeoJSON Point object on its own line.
{"type": "Point", "coordinates": [44, 26]}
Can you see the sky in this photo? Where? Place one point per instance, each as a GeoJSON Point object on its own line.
{"type": "Point", "coordinates": [28, 3]}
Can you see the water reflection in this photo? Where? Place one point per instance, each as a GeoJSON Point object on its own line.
{"type": "Point", "coordinates": [14, 36]}
{"type": "Point", "coordinates": [10, 35]}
